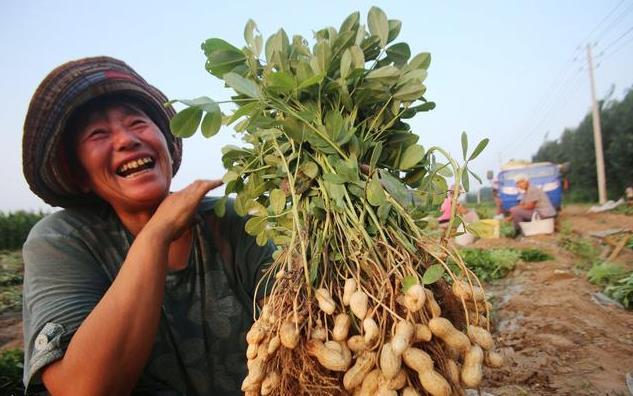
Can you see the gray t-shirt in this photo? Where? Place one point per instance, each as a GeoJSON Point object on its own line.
{"type": "Point", "coordinates": [543, 205]}
{"type": "Point", "coordinates": [72, 257]}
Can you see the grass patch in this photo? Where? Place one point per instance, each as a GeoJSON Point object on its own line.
{"type": "Point", "coordinates": [605, 273]}
{"type": "Point", "coordinates": [622, 290]}
{"type": "Point", "coordinates": [11, 277]}
{"type": "Point", "coordinates": [490, 264]}
{"type": "Point", "coordinates": [583, 248]}
{"type": "Point", "coordinates": [534, 255]}
{"type": "Point", "coordinates": [11, 366]}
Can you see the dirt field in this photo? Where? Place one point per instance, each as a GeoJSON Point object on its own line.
{"type": "Point", "coordinates": [556, 339]}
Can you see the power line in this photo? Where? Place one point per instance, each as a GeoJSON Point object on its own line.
{"type": "Point", "coordinates": [571, 86]}
{"type": "Point", "coordinates": [559, 86]}
{"type": "Point", "coordinates": [615, 22]}
{"type": "Point", "coordinates": [624, 44]}
{"type": "Point", "coordinates": [586, 39]}
{"type": "Point", "coordinates": [616, 41]}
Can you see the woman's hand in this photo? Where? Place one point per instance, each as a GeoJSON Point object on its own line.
{"type": "Point", "coordinates": [174, 215]}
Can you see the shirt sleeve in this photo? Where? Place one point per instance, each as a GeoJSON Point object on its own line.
{"type": "Point", "coordinates": [62, 284]}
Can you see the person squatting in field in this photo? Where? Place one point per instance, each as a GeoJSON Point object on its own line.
{"type": "Point", "coordinates": [130, 289]}
{"type": "Point", "coordinates": [534, 199]}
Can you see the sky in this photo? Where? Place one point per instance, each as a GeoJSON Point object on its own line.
{"type": "Point", "coordinates": [511, 71]}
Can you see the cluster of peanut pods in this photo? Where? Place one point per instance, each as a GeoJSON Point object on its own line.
{"type": "Point", "coordinates": [379, 354]}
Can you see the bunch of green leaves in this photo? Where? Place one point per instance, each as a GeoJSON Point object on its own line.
{"type": "Point", "coordinates": [11, 368]}
{"type": "Point", "coordinates": [325, 126]}
{"type": "Point", "coordinates": [604, 273]}
{"type": "Point", "coordinates": [534, 255]}
{"type": "Point", "coordinates": [581, 247]}
{"type": "Point", "coordinates": [490, 264]}
{"type": "Point", "coordinates": [622, 290]}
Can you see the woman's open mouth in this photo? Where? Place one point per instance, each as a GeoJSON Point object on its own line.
{"type": "Point", "coordinates": [135, 167]}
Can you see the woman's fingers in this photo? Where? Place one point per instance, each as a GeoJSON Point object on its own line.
{"type": "Point", "coordinates": [175, 212]}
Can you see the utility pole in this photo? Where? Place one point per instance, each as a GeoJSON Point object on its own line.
{"type": "Point", "coordinates": [597, 135]}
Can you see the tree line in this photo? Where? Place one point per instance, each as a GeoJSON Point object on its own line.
{"type": "Point", "coordinates": [576, 146]}
{"type": "Point", "coordinates": [15, 227]}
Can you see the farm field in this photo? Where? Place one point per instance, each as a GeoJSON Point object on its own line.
{"type": "Point", "coordinates": [556, 337]}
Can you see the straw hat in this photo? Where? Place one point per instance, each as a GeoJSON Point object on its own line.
{"type": "Point", "coordinates": [66, 88]}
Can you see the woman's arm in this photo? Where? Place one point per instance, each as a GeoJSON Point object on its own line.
{"type": "Point", "coordinates": [110, 349]}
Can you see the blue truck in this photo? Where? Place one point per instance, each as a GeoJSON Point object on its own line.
{"type": "Point", "coordinates": [544, 175]}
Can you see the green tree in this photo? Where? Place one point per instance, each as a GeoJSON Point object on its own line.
{"type": "Point", "coordinates": [576, 147]}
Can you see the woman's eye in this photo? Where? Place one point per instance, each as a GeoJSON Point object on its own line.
{"type": "Point", "coordinates": [97, 133]}
{"type": "Point", "coordinates": [137, 122]}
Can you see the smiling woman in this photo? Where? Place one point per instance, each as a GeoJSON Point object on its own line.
{"type": "Point", "coordinates": [130, 288]}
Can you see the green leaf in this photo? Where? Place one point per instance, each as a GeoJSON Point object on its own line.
{"type": "Point", "coordinates": [224, 61]}
{"type": "Point", "coordinates": [394, 29]}
{"type": "Point", "coordinates": [399, 53]}
{"type": "Point", "coordinates": [346, 63]}
{"type": "Point", "coordinates": [375, 155]}
{"type": "Point", "coordinates": [281, 81]}
{"type": "Point", "coordinates": [387, 72]}
{"type": "Point", "coordinates": [254, 208]}
{"type": "Point", "coordinates": [409, 281]}
{"type": "Point", "coordinates": [480, 147]}
{"type": "Point", "coordinates": [185, 123]}
{"type": "Point", "coordinates": [253, 41]}
{"type": "Point", "coordinates": [215, 44]}
{"type": "Point", "coordinates": [261, 239]}
{"type": "Point", "coordinates": [432, 274]}
{"type": "Point", "coordinates": [333, 178]}
{"type": "Point", "coordinates": [415, 74]}
{"type": "Point", "coordinates": [255, 225]}
{"type": "Point", "coordinates": [420, 61]}
{"type": "Point", "coordinates": [464, 144]}
{"type": "Point", "coordinates": [240, 204]}
{"type": "Point", "coordinates": [412, 156]}
{"type": "Point", "coordinates": [475, 175]}
{"type": "Point", "coordinates": [375, 193]}
{"type": "Point", "coordinates": [277, 44]}
{"type": "Point", "coordinates": [350, 23]}
{"type": "Point", "coordinates": [220, 206]}
{"type": "Point", "coordinates": [412, 90]}
{"type": "Point", "coordinates": [316, 79]}
{"type": "Point", "coordinates": [358, 58]}
{"type": "Point", "coordinates": [323, 54]}
{"type": "Point", "coordinates": [242, 85]}
{"type": "Point", "coordinates": [378, 25]}
{"type": "Point", "coordinates": [310, 169]}
{"type": "Point", "coordinates": [465, 181]}
{"type": "Point", "coordinates": [245, 109]}
{"type": "Point", "coordinates": [395, 188]}
{"type": "Point", "coordinates": [277, 201]}
{"type": "Point", "coordinates": [383, 212]}
{"type": "Point", "coordinates": [211, 123]}
{"type": "Point", "coordinates": [229, 176]}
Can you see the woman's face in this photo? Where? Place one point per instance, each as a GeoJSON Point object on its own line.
{"type": "Point", "coordinates": [124, 158]}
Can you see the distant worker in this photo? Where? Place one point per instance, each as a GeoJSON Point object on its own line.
{"type": "Point", "coordinates": [446, 207]}
{"type": "Point", "coordinates": [534, 199]}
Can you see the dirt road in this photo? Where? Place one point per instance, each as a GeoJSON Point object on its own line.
{"type": "Point", "coordinates": [556, 339]}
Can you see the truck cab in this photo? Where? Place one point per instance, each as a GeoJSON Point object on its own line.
{"type": "Point", "coordinates": [544, 175]}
